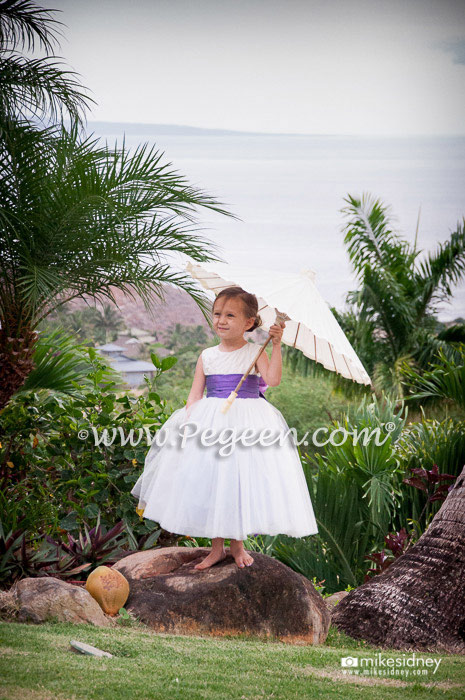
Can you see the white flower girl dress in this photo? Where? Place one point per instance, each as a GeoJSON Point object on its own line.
{"type": "Point", "coordinates": [204, 477]}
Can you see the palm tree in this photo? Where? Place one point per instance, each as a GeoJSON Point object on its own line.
{"type": "Point", "coordinates": [418, 602]}
{"type": "Point", "coordinates": [398, 298]}
{"type": "Point", "coordinates": [35, 87]}
{"type": "Point", "coordinates": [79, 219]}
{"type": "Point", "coordinates": [109, 320]}
{"type": "Point", "coordinates": [81, 323]}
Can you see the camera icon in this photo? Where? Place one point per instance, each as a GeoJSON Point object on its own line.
{"type": "Point", "coordinates": [349, 661]}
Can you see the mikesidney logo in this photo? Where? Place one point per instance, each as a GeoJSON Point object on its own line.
{"type": "Point", "coordinates": [379, 665]}
{"type": "Point", "coordinates": [349, 661]}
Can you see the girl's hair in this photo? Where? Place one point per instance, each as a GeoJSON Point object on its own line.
{"type": "Point", "coordinates": [249, 304]}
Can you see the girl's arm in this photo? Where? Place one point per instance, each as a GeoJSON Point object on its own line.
{"type": "Point", "coordinates": [198, 384]}
{"type": "Point", "coordinates": [271, 369]}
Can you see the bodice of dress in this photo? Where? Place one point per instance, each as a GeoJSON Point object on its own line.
{"type": "Point", "coordinates": [236, 362]}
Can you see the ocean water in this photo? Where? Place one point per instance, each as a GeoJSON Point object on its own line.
{"type": "Point", "coordinates": [289, 191]}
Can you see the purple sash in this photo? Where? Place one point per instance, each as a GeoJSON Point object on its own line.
{"type": "Point", "coordinates": [221, 385]}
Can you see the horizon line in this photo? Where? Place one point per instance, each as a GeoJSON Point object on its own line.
{"type": "Point", "coordinates": [216, 130]}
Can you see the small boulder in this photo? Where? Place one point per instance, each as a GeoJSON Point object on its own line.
{"type": "Point", "coordinates": [40, 599]}
{"type": "Point", "coordinates": [332, 600]}
{"type": "Point", "coordinates": [266, 599]}
{"type": "Point", "coordinates": [8, 606]}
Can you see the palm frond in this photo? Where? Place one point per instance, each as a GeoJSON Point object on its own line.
{"type": "Point", "coordinates": [445, 379]}
{"type": "Point", "coordinates": [386, 302]}
{"type": "Point", "coordinates": [369, 237]}
{"type": "Point", "coordinates": [440, 270]}
{"type": "Point", "coordinates": [388, 377]}
{"type": "Point", "coordinates": [40, 88]}
{"type": "Point", "coordinates": [82, 220]}
{"type": "Point", "coordinates": [25, 24]}
{"type": "Point", "coordinates": [61, 365]}
{"type": "Point", "coordinates": [353, 494]}
{"type": "Point", "coordinates": [453, 334]}
{"type": "Point", "coordinates": [431, 343]}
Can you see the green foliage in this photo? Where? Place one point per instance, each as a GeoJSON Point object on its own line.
{"type": "Point", "coordinates": [430, 442]}
{"type": "Point", "coordinates": [82, 323]}
{"type": "Point", "coordinates": [336, 554]}
{"type": "Point", "coordinates": [90, 325]}
{"type": "Point", "coordinates": [368, 457]}
{"type": "Point", "coordinates": [261, 543]}
{"type": "Point", "coordinates": [91, 218]}
{"type": "Point", "coordinates": [355, 490]}
{"type": "Point", "coordinates": [79, 219]}
{"type": "Point", "coordinates": [37, 87]}
{"type": "Point", "coordinates": [391, 318]}
{"type": "Point", "coordinates": [56, 482]}
{"type": "Point", "coordinates": [186, 338]}
{"type": "Point", "coordinates": [306, 402]}
{"type": "Point", "coordinates": [60, 365]}
{"type": "Point", "coordinates": [444, 379]}
{"type": "Point", "coordinates": [422, 445]}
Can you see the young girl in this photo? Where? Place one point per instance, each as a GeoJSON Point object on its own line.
{"type": "Point", "coordinates": [220, 475]}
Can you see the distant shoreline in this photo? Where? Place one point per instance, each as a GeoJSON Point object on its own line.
{"type": "Point", "coordinates": [185, 130]}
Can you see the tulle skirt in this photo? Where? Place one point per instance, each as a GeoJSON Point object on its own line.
{"type": "Point", "coordinates": [206, 478]}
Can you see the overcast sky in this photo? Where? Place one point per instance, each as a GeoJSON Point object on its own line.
{"type": "Point", "coordinates": [294, 66]}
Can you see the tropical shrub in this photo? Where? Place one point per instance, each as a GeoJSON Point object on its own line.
{"type": "Point", "coordinates": [421, 446]}
{"type": "Point", "coordinates": [355, 490]}
{"type": "Point", "coordinates": [54, 481]}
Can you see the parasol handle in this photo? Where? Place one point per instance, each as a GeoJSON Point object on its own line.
{"type": "Point", "coordinates": [244, 377]}
{"type": "Point", "coordinates": [229, 401]}
{"type": "Point", "coordinates": [233, 395]}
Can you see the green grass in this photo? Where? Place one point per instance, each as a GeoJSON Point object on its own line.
{"type": "Point", "coordinates": [36, 663]}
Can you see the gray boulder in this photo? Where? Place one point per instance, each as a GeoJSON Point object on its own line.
{"type": "Point", "coordinates": [40, 599]}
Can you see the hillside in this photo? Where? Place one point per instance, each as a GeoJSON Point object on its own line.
{"type": "Point", "coordinates": [178, 307]}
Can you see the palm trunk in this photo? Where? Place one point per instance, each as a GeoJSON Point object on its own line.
{"type": "Point", "coordinates": [16, 361]}
{"type": "Point", "coordinates": [418, 603]}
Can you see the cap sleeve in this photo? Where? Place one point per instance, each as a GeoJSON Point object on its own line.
{"type": "Point", "coordinates": [207, 359]}
{"type": "Point", "coordinates": [202, 357]}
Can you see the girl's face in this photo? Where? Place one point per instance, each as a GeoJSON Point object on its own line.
{"type": "Point", "coordinates": [229, 319]}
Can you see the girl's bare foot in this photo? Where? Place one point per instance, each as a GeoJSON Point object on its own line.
{"type": "Point", "coordinates": [212, 558]}
{"type": "Point", "coordinates": [241, 557]}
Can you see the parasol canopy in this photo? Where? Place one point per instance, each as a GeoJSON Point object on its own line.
{"type": "Point", "coordinates": [312, 328]}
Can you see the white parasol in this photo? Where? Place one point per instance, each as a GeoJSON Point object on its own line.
{"type": "Point", "coordinates": [312, 328]}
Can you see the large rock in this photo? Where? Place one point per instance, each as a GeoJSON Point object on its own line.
{"type": "Point", "coordinates": [45, 598]}
{"type": "Point", "coordinates": [266, 599]}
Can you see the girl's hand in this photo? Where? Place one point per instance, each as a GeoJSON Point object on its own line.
{"type": "Point", "coordinates": [276, 333]}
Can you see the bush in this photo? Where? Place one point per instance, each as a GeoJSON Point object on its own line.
{"type": "Point", "coordinates": [56, 483]}
{"type": "Point", "coordinates": [355, 491]}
